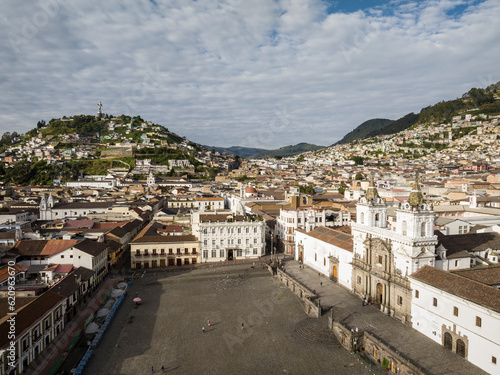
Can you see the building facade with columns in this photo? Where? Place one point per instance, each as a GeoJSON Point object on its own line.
{"type": "Point", "coordinates": [383, 258]}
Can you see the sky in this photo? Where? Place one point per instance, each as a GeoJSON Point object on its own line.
{"type": "Point", "coordinates": [252, 73]}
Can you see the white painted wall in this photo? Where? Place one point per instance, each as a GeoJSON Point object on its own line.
{"type": "Point", "coordinates": [484, 341]}
{"type": "Point", "coordinates": [323, 250]}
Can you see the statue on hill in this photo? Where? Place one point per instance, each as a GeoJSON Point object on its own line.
{"type": "Point", "coordinates": [99, 106]}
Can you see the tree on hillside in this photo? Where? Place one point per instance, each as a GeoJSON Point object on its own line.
{"type": "Point", "coordinates": [309, 190]}
{"type": "Point", "coordinates": [358, 160]}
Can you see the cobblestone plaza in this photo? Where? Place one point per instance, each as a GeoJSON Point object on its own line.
{"type": "Point", "coordinates": [166, 330]}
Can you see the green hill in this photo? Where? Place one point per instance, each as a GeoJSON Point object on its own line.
{"type": "Point", "coordinates": [287, 151]}
{"type": "Point", "coordinates": [260, 153]}
{"type": "Point", "coordinates": [365, 129]}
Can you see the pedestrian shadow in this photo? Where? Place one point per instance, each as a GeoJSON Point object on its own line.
{"type": "Point", "coordinates": [214, 324]}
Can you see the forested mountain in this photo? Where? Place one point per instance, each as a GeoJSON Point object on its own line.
{"type": "Point", "coordinates": [365, 129]}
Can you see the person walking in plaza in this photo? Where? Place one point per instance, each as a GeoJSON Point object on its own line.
{"type": "Point", "coordinates": [208, 322]}
{"type": "Point", "coordinates": [203, 329]}
{"type": "Point", "coordinates": [152, 369]}
{"type": "Point", "coordinates": [162, 368]}
{"type": "Point", "coordinates": [242, 326]}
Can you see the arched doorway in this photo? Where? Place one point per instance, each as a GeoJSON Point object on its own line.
{"type": "Point", "coordinates": [334, 273]}
{"type": "Point", "coordinates": [448, 341]}
{"type": "Point", "coordinates": [461, 348]}
{"type": "Point", "coordinates": [380, 293]}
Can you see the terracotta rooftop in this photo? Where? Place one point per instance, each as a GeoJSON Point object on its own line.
{"type": "Point", "coordinates": [468, 289]}
{"type": "Point", "coordinates": [488, 276]}
{"type": "Point", "coordinates": [331, 236]}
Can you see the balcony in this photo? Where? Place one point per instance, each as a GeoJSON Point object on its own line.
{"type": "Point", "coordinates": [163, 255]}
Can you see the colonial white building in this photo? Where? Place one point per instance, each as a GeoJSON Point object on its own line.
{"type": "Point", "coordinates": [49, 210]}
{"type": "Point", "coordinates": [291, 219]}
{"type": "Point", "coordinates": [225, 236]}
{"type": "Point", "coordinates": [328, 251]}
{"type": "Point", "coordinates": [461, 314]}
{"type": "Point", "coordinates": [384, 258]}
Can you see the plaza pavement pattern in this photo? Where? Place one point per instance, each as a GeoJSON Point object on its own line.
{"type": "Point", "coordinates": [166, 330]}
{"type": "Point", "coordinates": [429, 356]}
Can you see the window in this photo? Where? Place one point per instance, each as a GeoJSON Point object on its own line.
{"type": "Point", "coordinates": [145, 251]}
{"type": "Point", "coordinates": [455, 310]}
{"type": "Point", "coordinates": [362, 218]}
{"type": "Point", "coordinates": [194, 250]}
{"type": "Point", "coordinates": [205, 242]}
{"type": "Point", "coordinates": [170, 251]}
{"type": "Point", "coordinates": [222, 253]}
{"type": "Point", "coordinates": [315, 257]}
{"type": "Point", "coordinates": [179, 250]}
{"type": "Point", "coordinates": [494, 360]}
{"type": "Point", "coordinates": [255, 240]}
{"type": "Point", "coordinates": [239, 241]}
{"type": "Point", "coordinates": [380, 259]}
{"type": "Point", "coordinates": [404, 227]}
{"type": "Point", "coordinates": [62, 256]}
{"type": "Point", "coordinates": [417, 293]}
{"type": "Point", "coordinates": [138, 252]}
{"type": "Point", "coordinates": [247, 230]}
{"type": "Point", "coordinates": [239, 230]}
{"type": "Point", "coordinates": [422, 229]}
{"type": "Point", "coordinates": [214, 253]}
{"type": "Point", "coordinates": [400, 300]}
{"type": "Point", "coordinates": [324, 261]}
{"type": "Point", "coordinates": [163, 251]}
{"type": "Point", "coordinates": [434, 302]}
{"type": "Point", "coordinates": [186, 250]}
{"type": "Point", "coordinates": [154, 251]}
{"type": "Point", "coordinates": [478, 321]}
{"type": "Point", "coordinates": [205, 253]}
{"type": "Point", "coordinates": [247, 241]}
{"type": "Point", "coordinates": [239, 252]}
{"type": "Point", "coordinates": [254, 251]}
{"type": "Point", "coordinates": [358, 279]}
{"type": "Point", "coordinates": [213, 230]}
{"type": "Point", "coordinates": [213, 242]}
{"type": "Point", "coordinates": [456, 263]}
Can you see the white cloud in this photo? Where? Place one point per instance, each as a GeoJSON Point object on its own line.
{"type": "Point", "coordinates": [235, 72]}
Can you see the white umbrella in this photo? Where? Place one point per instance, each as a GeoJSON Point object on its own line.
{"type": "Point", "coordinates": [102, 312]}
{"type": "Point", "coordinates": [121, 285]}
{"type": "Point", "coordinates": [117, 293]}
{"type": "Point", "coordinates": [92, 328]}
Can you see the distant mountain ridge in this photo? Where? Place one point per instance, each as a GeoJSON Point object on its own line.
{"type": "Point", "coordinates": [259, 153]}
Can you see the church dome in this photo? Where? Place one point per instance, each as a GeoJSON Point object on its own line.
{"type": "Point", "coordinates": [250, 190]}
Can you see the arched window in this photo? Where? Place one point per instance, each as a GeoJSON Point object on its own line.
{"type": "Point", "coordinates": [460, 348]}
{"type": "Point", "coordinates": [362, 220]}
{"type": "Point", "coordinates": [448, 341]}
{"type": "Point", "coordinates": [377, 217]}
{"type": "Point", "coordinates": [404, 227]}
{"type": "Point", "coordinates": [422, 229]}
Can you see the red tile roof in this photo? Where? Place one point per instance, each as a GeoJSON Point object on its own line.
{"type": "Point", "coordinates": [470, 290]}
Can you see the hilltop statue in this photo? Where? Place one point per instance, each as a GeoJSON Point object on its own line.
{"type": "Point", "coordinates": [99, 106]}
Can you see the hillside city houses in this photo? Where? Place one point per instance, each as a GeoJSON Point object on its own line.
{"type": "Point", "coordinates": [419, 237]}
